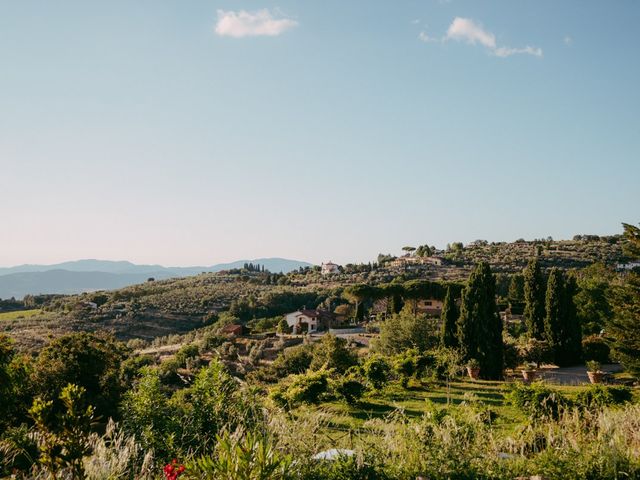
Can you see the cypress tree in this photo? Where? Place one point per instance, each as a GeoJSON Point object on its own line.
{"type": "Point", "coordinates": [534, 298]}
{"type": "Point", "coordinates": [571, 353]}
{"type": "Point", "coordinates": [479, 325]}
{"type": "Point", "coordinates": [554, 311]}
{"type": "Point", "coordinates": [449, 317]}
{"type": "Point", "coordinates": [561, 326]}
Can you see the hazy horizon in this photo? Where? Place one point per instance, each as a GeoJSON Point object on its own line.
{"type": "Point", "coordinates": [205, 132]}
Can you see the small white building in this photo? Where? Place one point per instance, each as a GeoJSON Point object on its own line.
{"type": "Point", "coordinates": [307, 321]}
{"type": "Point", "coordinates": [329, 268]}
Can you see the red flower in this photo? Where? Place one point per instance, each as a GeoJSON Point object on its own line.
{"type": "Point", "coordinates": [173, 470]}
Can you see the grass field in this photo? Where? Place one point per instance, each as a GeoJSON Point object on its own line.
{"type": "Point", "coordinates": [19, 314]}
{"type": "Point", "coordinates": [415, 402]}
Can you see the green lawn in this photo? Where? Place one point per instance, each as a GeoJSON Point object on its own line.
{"type": "Point", "coordinates": [20, 314]}
{"type": "Point", "coordinates": [413, 401]}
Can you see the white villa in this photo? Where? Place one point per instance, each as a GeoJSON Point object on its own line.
{"type": "Point", "coordinates": [329, 268]}
{"type": "Point", "coordinates": [308, 321]}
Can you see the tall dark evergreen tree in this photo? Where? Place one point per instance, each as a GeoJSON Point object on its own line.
{"type": "Point", "coordinates": [516, 288]}
{"type": "Point", "coordinates": [571, 352]}
{"type": "Point", "coordinates": [449, 317]}
{"type": "Point", "coordinates": [534, 299]}
{"type": "Point", "coordinates": [479, 325]}
{"type": "Point", "coordinates": [561, 326]}
{"type": "Point", "coordinates": [554, 311]}
{"type": "Point", "coordinates": [624, 327]}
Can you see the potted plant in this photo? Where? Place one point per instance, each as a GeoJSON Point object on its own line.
{"type": "Point", "coordinates": [529, 372]}
{"type": "Point", "coordinates": [593, 371]}
{"type": "Point", "coordinates": [473, 369]}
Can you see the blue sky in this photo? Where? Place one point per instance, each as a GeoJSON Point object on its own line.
{"type": "Point", "coordinates": [193, 132]}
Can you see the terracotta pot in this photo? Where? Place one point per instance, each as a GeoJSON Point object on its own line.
{"type": "Point", "coordinates": [595, 377]}
{"type": "Point", "coordinates": [473, 372]}
{"type": "Point", "coordinates": [529, 375]}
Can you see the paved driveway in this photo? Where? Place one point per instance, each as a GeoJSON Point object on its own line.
{"type": "Point", "coordinates": [574, 375]}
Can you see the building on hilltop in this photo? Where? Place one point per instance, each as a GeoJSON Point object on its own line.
{"type": "Point", "coordinates": [329, 268]}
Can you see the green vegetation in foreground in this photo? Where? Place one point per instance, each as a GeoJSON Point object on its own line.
{"type": "Point", "coordinates": [19, 314]}
{"type": "Point", "coordinates": [420, 397]}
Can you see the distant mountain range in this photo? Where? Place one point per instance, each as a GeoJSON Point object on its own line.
{"type": "Point", "coordinates": [87, 275]}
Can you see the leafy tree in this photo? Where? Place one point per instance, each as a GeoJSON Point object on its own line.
{"type": "Point", "coordinates": [631, 240]}
{"type": "Point", "coordinates": [377, 371]}
{"type": "Point", "coordinates": [449, 360]}
{"type": "Point", "coordinates": [15, 387]}
{"type": "Point", "coordinates": [294, 360]}
{"type": "Point", "coordinates": [592, 300]}
{"type": "Point", "coordinates": [350, 388]}
{"type": "Point", "coordinates": [307, 387]}
{"type": "Point", "coordinates": [535, 351]}
{"type": "Point", "coordinates": [90, 361]}
{"type": "Point", "coordinates": [394, 293]}
{"type": "Point", "coordinates": [534, 297]}
{"type": "Point", "coordinates": [449, 318]}
{"type": "Point", "coordinates": [333, 353]}
{"type": "Point", "coordinates": [63, 435]}
{"type": "Point", "coordinates": [357, 294]}
{"type": "Point", "coordinates": [147, 414]}
{"type": "Point", "coordinates": [283, 326]}
{"type": "Point", "coordinates": [624, 327]}
{"type": "Point", "coordinates": [404, 331]}
{"type": "Point", "coordinates": [209, 406]}
{"type": "Point", "coordinates": [479, 325]}
{"type": "Point", "coordinates": [407, 365]}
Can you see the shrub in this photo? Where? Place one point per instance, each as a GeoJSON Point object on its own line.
{"type": "Point", "coordinates": [537, 400]}
{"type": "Point", "coordinates": [186, 352]}
{"type": "Point", "coordinates": [303, 388]}
{"type": "Point", "coordinates": [602, 395]}
{"type": "Point", "coordinates": [349, 388]}
{"type": "Point", "coordinates": [595, 348]}
{"type": "Point", "coordinates": [293, 360]}
{"type": "Point", "coordinates": [251, 457]}
{"type": "Point", "coordinates": [535, 351]}
{"type": "Point", "coordinates": [333, 352]}
{"type": "Point", "coordinates": [377, 371]}
{"type": "Point", "coordinates": [407, 365]}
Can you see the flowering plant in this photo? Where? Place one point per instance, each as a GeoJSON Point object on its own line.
{"type": "Point", "coordinates": [173, 470]}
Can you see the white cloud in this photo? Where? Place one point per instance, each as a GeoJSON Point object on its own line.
{"type": "Point", "coordinates": [567, 40]}
{"type": "Point", "coordinates": [507, 52]}
{"type": "Point", "coordinates": [467, 30]}
{"type": "Point", "coordinates": [472, 32]}
{"type": "Point", "coordinates": [251, 24]}
{"type": "Point", "coordinates": [424, 36]}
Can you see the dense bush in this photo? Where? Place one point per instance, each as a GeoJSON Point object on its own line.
{"type": "Point", "coordinates": [603, 395]}
{"type": "Point", "coordinates": [307, 387]}
{"type": "Point", "coordinates": [333, 352]}
{"type": "Point", "coordinates": [595, 348]}
{"type": "Point", "coordinates": [349, 388]}
{"type": "Point", "coordinates": [537, 400]}
{"type": "Point", "coordinates": [87, 360]}
{"type": "Point", "coordinates": [377, 371]}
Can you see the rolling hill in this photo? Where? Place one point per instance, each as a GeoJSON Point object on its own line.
{"type": "Point", "coordinates": [88, 275]}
